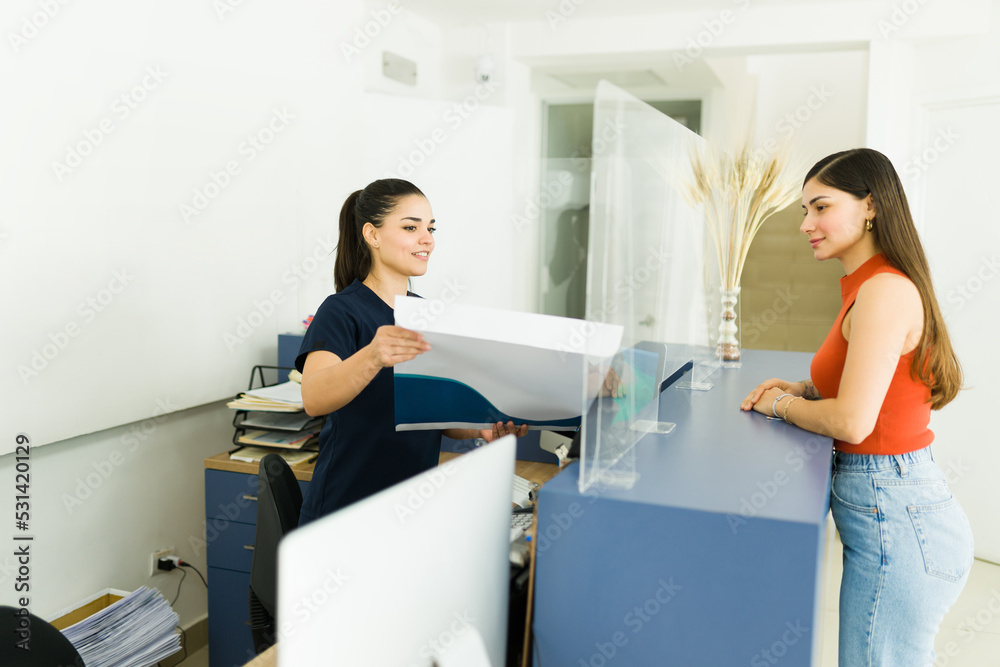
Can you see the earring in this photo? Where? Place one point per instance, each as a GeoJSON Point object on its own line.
{"type": "Point", "coordinates": [868, 224]}
{"type": "Point", "coordinates": [869, 227]}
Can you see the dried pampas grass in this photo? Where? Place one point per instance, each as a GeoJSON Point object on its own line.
{"type": "Point", "coordinates": [739, 191]}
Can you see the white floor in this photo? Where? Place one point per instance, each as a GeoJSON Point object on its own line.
{"type": "Point", "coordinates": [970, 633]}
{"type": "Point", "coordinates": [969, 637]}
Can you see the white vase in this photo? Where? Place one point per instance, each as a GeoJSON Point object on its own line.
{"type": "Point", "coordinates": [727, 350]}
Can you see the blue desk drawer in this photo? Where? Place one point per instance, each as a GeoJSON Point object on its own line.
{"type": "Point", "coordinates": [231, 496]}
{"type": "Point", "coordinates": [229, 640]}
{"type": "Point", "coordinates": [227, 544]}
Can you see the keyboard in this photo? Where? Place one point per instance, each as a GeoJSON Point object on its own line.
{"type": "Point", "coordinates": [523, 493]}
{"type": "Point", "coordinates": [520, 523]}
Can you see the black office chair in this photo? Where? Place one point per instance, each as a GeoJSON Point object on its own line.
{"type": "Point", "coordinates": [48, 646]}
{"type": "Point", "coordinates": [279, 500]}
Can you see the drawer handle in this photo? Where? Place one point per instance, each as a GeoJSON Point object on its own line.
{"type": "Point", "coordinates": [249, 497]}
{"type": "Point", "coordinates": [248, 547]}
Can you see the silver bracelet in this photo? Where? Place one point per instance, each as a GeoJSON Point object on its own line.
{"type": "Point", "coordinates": [774, 406]}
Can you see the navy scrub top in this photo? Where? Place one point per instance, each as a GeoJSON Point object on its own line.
{"type": "Point", "coordinates": [360, 452]}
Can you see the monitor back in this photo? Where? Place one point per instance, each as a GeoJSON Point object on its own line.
{"type": "Point", "coordinates": [406, 576]}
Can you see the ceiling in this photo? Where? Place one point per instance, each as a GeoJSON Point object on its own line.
{"type": "Point", "coordinates": [452, 12]}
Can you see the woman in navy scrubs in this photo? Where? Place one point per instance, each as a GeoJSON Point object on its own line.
{"type": "Point", "coordinates": [346, 359]}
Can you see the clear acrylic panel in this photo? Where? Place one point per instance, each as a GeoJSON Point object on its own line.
{"type": "Point", "coordinates": [648, 271]}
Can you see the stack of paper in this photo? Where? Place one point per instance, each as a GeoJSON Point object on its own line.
{"type": "Point", "coordinates": [287, 440]}
{"type": "Point", "coordinates": [136, 631]}
{"type": "Point", "coordinates": [282, 421]}
{"type": "Point", "coordinates": [285, 397]}
{"type": "Point", "coordinates": [255, 454]}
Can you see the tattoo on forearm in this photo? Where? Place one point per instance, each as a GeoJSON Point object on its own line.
{"type": "Point", "coordinates": [810, 393]}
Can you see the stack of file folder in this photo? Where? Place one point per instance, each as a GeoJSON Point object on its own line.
{"type": "Point", "coordinates": [136, 631]}
{"type": "Point", "coordinates": [274, 417]}
{"type": "Point", "coordinates": [284, 397]}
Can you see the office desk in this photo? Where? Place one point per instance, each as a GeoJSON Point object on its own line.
{"type": "Point", "coordinates": [230, 528]}
{"type": "Point", "coordinates": [715, 556]}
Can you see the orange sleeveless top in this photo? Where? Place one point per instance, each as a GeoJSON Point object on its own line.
{"type": "Point", "coordinates": [902, 424]}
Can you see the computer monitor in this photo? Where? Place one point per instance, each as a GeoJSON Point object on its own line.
{"type": "Point", "coordinates": [415, 575]}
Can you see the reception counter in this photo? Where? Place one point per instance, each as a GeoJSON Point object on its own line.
{"type": "Point", "coordinates": [714, 557]}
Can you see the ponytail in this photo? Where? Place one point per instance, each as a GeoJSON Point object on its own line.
{"type": "Point", "coordinates": [354, 258]}
{"type": "Point", "coordinates": [373, 204]}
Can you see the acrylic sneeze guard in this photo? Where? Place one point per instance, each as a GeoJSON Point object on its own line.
{"type": "Point", "coordinates": [646, 271]}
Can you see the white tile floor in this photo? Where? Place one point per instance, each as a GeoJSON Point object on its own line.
{"type": "Point", "coordinates": [969, 637]}
{"type": "Point", "coordinates": [970, 632]}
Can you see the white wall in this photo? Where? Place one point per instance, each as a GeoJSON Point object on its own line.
{"type": "Point", "coordinates": [812, 102]}
{"type": "Point", "coordinates": [140, 486]}
{"type": "Point", "coordinates": [201, 140]}
{"type": "Point", "coordinates": [102, 503]}
{"type": "Point", "coordinates": [950, 169]}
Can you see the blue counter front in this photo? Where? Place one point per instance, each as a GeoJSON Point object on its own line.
{"type": "Point", "coordinates": [714, 558]}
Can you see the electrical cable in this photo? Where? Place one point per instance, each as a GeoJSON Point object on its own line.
{"type": "Point", "coordinates": [184, 563]}
{"type": "Point", "coordinates": [183, 574]}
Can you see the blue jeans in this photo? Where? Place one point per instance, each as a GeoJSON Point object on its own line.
{"type": "Point", "coordinates": [907, 555]}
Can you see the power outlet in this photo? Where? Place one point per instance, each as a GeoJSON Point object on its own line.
{"type": "Point", "coordinates": [157, 555]}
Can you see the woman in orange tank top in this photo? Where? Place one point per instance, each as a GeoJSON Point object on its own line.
{"type": "Point", "coordinates": [886, 363]}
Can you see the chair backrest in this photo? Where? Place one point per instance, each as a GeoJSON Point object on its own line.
{"type": "Point", "coordinates": [279, 500]}
{"type": "Point", "coordinates": [48, 646]}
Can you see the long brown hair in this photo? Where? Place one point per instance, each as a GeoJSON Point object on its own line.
{"type": "Point", "coordinates": [373, 204]}
{"type": "Point", "coordinates": [863, 171]}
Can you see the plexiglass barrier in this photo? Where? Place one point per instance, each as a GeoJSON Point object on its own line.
{"type": "Point", "coordinates": [648, 271]}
